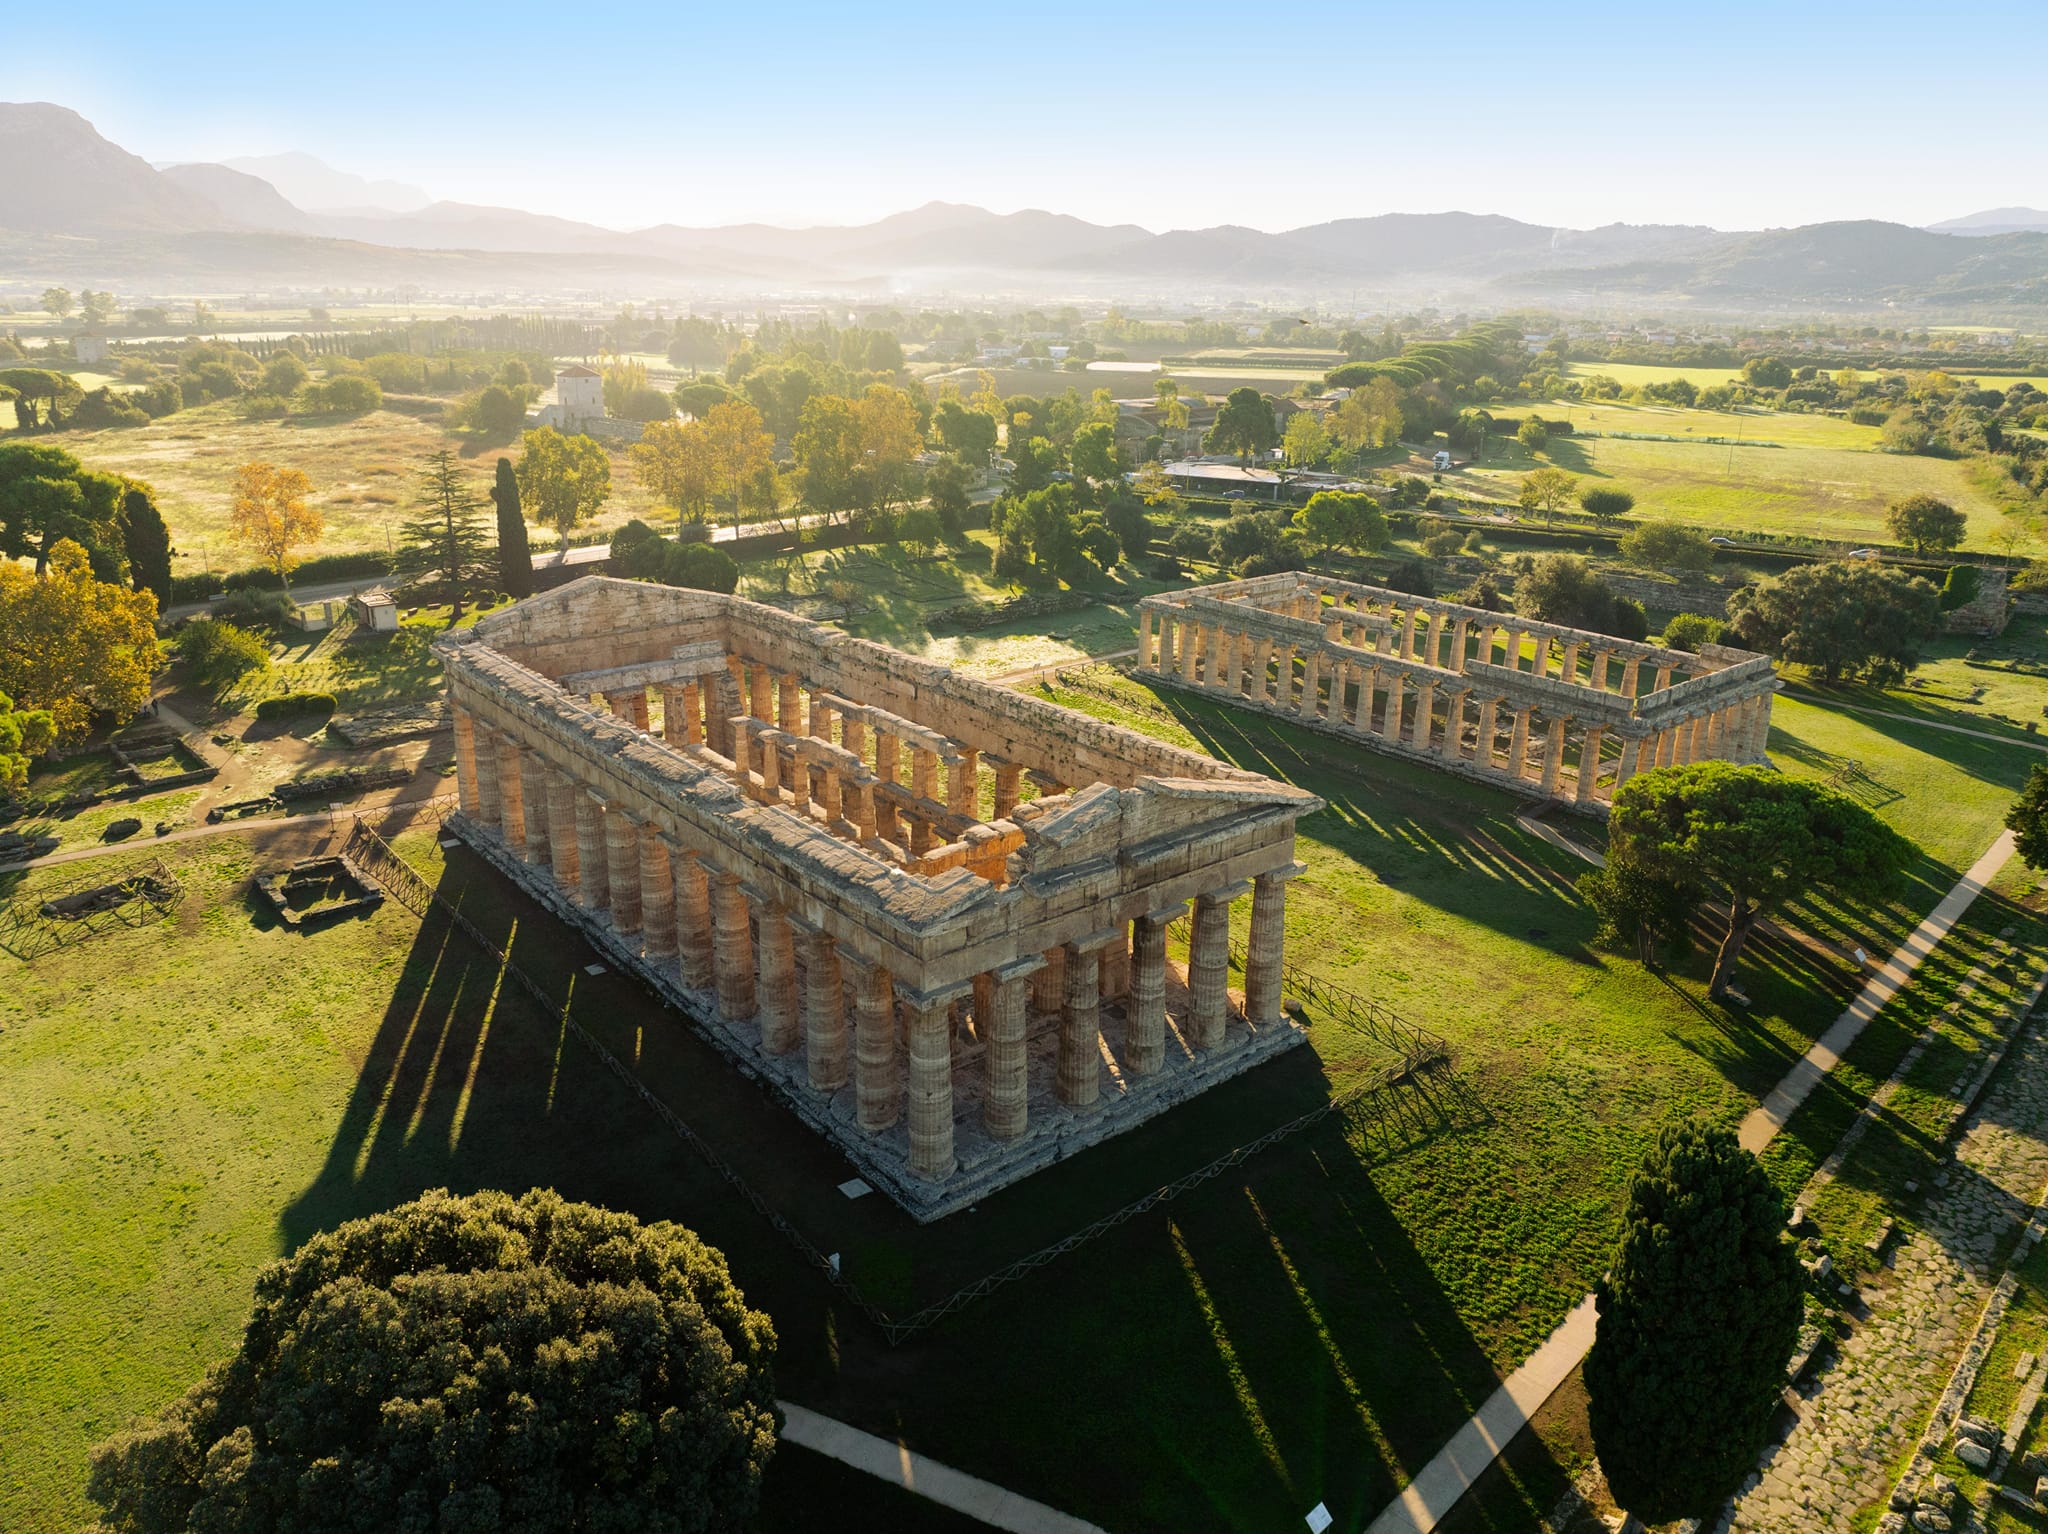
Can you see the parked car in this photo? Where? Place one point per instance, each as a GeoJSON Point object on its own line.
{"type": "Point", "coordinates": [1861, 554]}
{"type": "Point", "coordinates": [1722, 543]}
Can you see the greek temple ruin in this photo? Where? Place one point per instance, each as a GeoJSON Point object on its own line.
{"type": "Point", "coordinates": [929, 912]}
{"type": "Point", "coordinates": [1555, 713]}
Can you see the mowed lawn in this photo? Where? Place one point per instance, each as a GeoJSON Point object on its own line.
{"type": "Point", "coordinates": [190, 1099]}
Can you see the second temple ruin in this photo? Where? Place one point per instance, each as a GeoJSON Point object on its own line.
{"type": "Point", "coordinates": [1555, 713]}
{"type": "Point", "coordinates": [931, 913]}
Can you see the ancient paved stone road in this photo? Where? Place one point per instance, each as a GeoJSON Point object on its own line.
{"type": "Point", "coordinates": [1872, 1404]}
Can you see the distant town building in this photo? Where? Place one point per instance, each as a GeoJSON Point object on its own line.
{"type": "Point", "coordinates": [89, 349]}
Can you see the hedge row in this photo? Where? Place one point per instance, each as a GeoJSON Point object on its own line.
{"type": "Point", "coordinates": [327, 567]}
{"type": "Point", "coordinates": [287, 705]}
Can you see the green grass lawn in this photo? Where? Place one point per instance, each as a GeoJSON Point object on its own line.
{"type": "Point", "coordinates": [1307, 1327]}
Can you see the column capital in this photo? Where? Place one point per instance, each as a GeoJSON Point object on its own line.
{"type": "Point", "coordinates": [930, 1000]}
{"type": "Point", "coordinates": [1018, 969]}
{"type": "Point", "coordinates": [1228, 892]}
{"type": "Point", "coordinates": [1094, 942]}
{"type": "Point", "coordinates": [1283, 873]}
{"type": "Point", "coordinates": [1167, 915]}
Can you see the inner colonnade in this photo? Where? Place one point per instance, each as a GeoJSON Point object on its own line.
{"type": "Point", "coordinates": [933, 911]}
{"type": "Point", "coordinates": [1560, 714]}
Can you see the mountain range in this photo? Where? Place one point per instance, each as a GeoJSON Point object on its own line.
{"type": "Point", "coordinates": [74, 207]}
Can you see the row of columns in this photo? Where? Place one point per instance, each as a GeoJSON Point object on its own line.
{"type": "Point", "coordinates": [794, 982]}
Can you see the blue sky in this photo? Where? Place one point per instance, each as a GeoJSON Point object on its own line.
{"type": "Point", "coordinates": [627, 113]}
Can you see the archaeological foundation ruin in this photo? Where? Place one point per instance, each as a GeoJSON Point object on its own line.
{"type": "Point", "coordinates": [1555, 713]}
{"type": "Point", "coordinates": [930, 913]}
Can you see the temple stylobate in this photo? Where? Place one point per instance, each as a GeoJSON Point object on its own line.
{"type": "Point", "coordinates": [930, 912]}
{"type": "Point", "coordinates": [1556, 713]}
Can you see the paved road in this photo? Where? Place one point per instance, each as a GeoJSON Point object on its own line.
{"type": "Point", "coordinates": [1441, 1483]}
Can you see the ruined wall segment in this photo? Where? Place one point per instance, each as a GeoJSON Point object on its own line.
{"type": "Point", "coordinates": [848, 865]}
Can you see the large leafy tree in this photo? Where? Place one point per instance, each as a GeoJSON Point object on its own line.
{"type": "Point", "coordinates": [1565, 589]}
{"type": "Point", "coordinates": [73, 645]}
{"type": "Point", "coordinates": [447, 539]}
{"type": "Point", "coordinates": [970, 433]}
{"type": "Point", "coordinates": [674, 459]}
{"type": "Point", "coordinates": [25, 733]}
{"type": "Point", "coordinates": [827, 449]}
{"type": "Point", "coordinates": [42, 398]}
{"type": "Point", "coordinates": [271, 516]}
{"type": "Point", "coordinates": [1752, 839]}
{"type": "Point", "coordinates": [2028, 819]}
{"type": "Point", "coordinates": [1925, 524]}
{"type": "Point", "coordinates": [564, 479]}
{"type": "Point", "coordinates": [1698, 1317]}
{"type": "Point", "coordinates": [740, 449]}
{"type": "Point", "coordinates": [1548, 491]}
{"type": "Point", "coordinates": [515, 562]}
{"type": "Point", "coordinates": [889, 442]}
{"type": "Point", "coordinates": [1843, 618]}
{"type": "Point", "coordinates": [1244, 424]}
{"type": "Point", "coordinates": [469, 1364]}
{"type": "Point", "coordinates": [1343, 519]}
{"type": "Point", "coordinates": [47, 495]}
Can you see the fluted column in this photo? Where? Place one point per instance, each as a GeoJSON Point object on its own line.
{"type": "Point", "coordinates": [874, 1014]}
{"type": "Point", "coordinates": [733, 950]}
{"type": "Point", "coordinates": [1518, 745]}
{"type": "Point", "coordinates": [1588, 784]}
{"type": "Point", "coordinates": [824, 1014]}
{"type": "Point", "coordinates": [1266, 947]}
{"type": "Point", "coordinates": [1145, 1043]}
{"type": "Point", "coordinates": [693, 921]}
{"type": "Point", "coordinates": [1190, 649]}
{"type": "Point", "coordinates": [1162, 649]}
{"type": "Point", "coordinates": [1553, 754]}
{"type": "Point", "coordinates": [781, 1023]}
{"type": "Point", "coordinates": [561, 793]}
{"type": "Point", "coordinates": [1147, 640]}
{"type": "Point", "coordinates": [1049, 985]}
{"type": "Point", "coordinates": [931, 1085]}
{"type": "Point", "coordinates": [1006, 1098]}
{"type": "Point", "coordinates": [963, 785]}
{"type": "Point", "coordinates": [1079, 1080]}
{"type": "Point", "coordinates": [533, 806]}
{"type": "Point", "coordinates": [1368, 684]}
{"type": "Point", "coordinates": [1489, 728]}
{"type": "Point", "coordinates": [1009, 779]}
{"type": "Point", "coordinates": [1397, 687]}
{"type": "Point", "coordinates": [465, 763]}
{"type": "Point", "coordinates": [759, 704]}
{"type": "Point", "coordinates": [1459, 629]}
{"type": "Point", "coordinates": [1452, 746]}
{"type": "Point", "coordinates": [657, 896]}
{"type": "Point", "coordinates": [1209, 967]}
{"type": "Point", "coordinates": [1311, 685]}
{"type": "Point", "coordinates": [1625, 762]}
{"type": "Point", "coordinates": [1629, 671]}
{"type": "Point", "coordinates": [1115, 964]}
{"type": "Point", "coordinates": [511, 794]}
{"type": "Point", "coordinates": [593, 884]}
{"type": "Point", "coordinates": [1408, 633]}
{"type": "Point", "coordinates": [1425, 717]}
{"type": "Point", "coordinates": [622, 861]}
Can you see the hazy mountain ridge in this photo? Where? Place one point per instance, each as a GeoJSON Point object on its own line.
{"type": "Point", "coordinates": [77, 207]}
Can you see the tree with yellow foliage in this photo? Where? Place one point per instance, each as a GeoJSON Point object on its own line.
{"type": "Point", "coordinates": [676, 460]}
{"type": "Point", "coordinates": [73, 646]}
{"type": "Point", "coordinates": [740, 448]}
{"type": "Point", "coordinates": [271, 516]}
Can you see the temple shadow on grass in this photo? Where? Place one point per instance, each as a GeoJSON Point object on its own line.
{"type": "Point", "coordinates": [1272, 1337]}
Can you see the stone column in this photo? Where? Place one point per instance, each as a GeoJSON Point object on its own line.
{"type": "Point", "coordinates": [533, 806]}
{"type": "Point", "coordinates": [1568, 668]}
{"type": "Point", "coordinates": [833, 800]}
{"type": "Point", "coordinates": [1452, 747]}
{"type": "Point", "coordinates": [1489, 729]}
{"type": "Point", "coordinates": [1079, 1080]}
{"type": "Point", "coordinates": [931, 1086]}
{"type": "Point", "coordinates": [622, 862]}
{"type": "Point", "coordinates": [1408, 633]}
{"type": "Point", "coordinates": [1553, 754]}
{"type": "Point", "coordinates": [1006, 1100]}
{"type": "Point", "coordinates": [1663, 679]}
{"type": "Point", "coordinates": [781, 1023]}
{"type": "Point", "coordinates": [874, 1020]}
{"type": "Point", "coordinates": [1009, 778]}
{"type": "Point", "coordinates": [593, 882]}
{"type": "Point", "coordinates": [657, 896]}
{"type": "Point", "coordinates": [1115, 964]}
{"type": "Point", "coordinates": [864, 809]}
{"type": "Point", "coordinates": [824, 1014]}
{"type": "Point", "coordinates": [1629, 670]}
{"type": "Point", "coordinates": [693, 715]}
{"type": "Point", "coordinates": [561, 793]}
{"type": "Point", "coordinates": [465, 763]}
{"type": "Point", "coordinates": [1261, 684]}
{"type": "Point", "coordinates": [693, 920]}
{"type": "Point", "coordinates": [924, 773]}
{"type": "Point", "coordinates": [1162, 653]}
{"type": "Point", "coordinates": [1459, 630]}
{"type": "Point", "coordinates": [511, 794]}
{"type": "Point", "coordinates": [1145, 1042]}
{"type": "Point", "coordinates": [788, 704]}
{"type": "Point", "coordinates": [1147, 641]}
{"type": "Point", "coordinates": [1511, 647]}
{"type": "Point", "coordinates": [1397, 701]}
{"type": "Point", "coordinates": [1311, 685]}
{"type": "Point", "coordinates": [1587, 788]}
{"type": "Point", "coordinates": [799, 783]}
{"type": "Point", "coordinates": [758, 704]}
{"type": "Point", "coordinates": [1368, 684]}
{"type": "Point", "coordinates": [1190, 649]}
{"type": "Point", "coordinates": [1597, 677]}
{"type": "Point", "coordinates": [1425, 717]}
{"type": "Point", "coordinates": [1518, 745]}
{"type": "Point", "coordinates": [1209, 967]}
{"type": "Point", "coordinates": [733, 949]}
{"type": "Point", "coordinates": [1624, 765]}
{"type": "Point", "coordinates": [963, 785]}
{"type": "Point", "coordinates": [1265, 950]}
{"type": "Point", "coordinates": [853, 735]}
{"type": "Point", "coordinates": [1283, 676]}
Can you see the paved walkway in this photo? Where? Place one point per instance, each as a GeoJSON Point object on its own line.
{"type": "Point", "coordinates": [926, 1477]}
{"type": "Point", "coordinates": [1448, 1476]}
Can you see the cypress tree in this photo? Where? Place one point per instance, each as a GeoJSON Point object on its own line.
{"type": "Point", "coordinates": [1698, 1317]}
{"type": "Point", "coordinates": [515, 563]}
{"type": "Point", "coordinates": [148, 545]}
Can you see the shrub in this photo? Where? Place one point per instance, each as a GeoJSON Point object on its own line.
{"type": "Point", "coordinates": [291, 705]}
{"type": "Point", "coordinates": [158, 399]}
{"type": "Point", "coordinates": [1626, 619]}
{"type": "Point", "coordinates": [103, 407]}
{"type": "Point", "coordinates": [1443, 543]}
{"type": "Point", "coordinates": [345, 395]}
{"type": "Point", "coordinates": [264, 407]}
{"type": "Point", "coordinates": [1688, 631]}
{"type": "Point", "coordinates": [702, 566]}
{"type": "Point", "coordinates": [220, 653]}
{"type": "Point", "coordinates": [254, 609]}
{"type": "Point", "coordinates": [1475, 542]}
{"type": "Point", "coordinates": [1607, 503]}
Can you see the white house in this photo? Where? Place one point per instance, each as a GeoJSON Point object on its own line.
{"type": "Point", "coordinates": [579, 400]}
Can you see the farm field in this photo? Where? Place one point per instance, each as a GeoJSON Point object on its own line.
{"type": "Point", "coordinates": [1633, 374]}
{"type": "Point", "coordinates": [363, 472]}
{"type": "Point", "coordinates": [1825, 481]}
